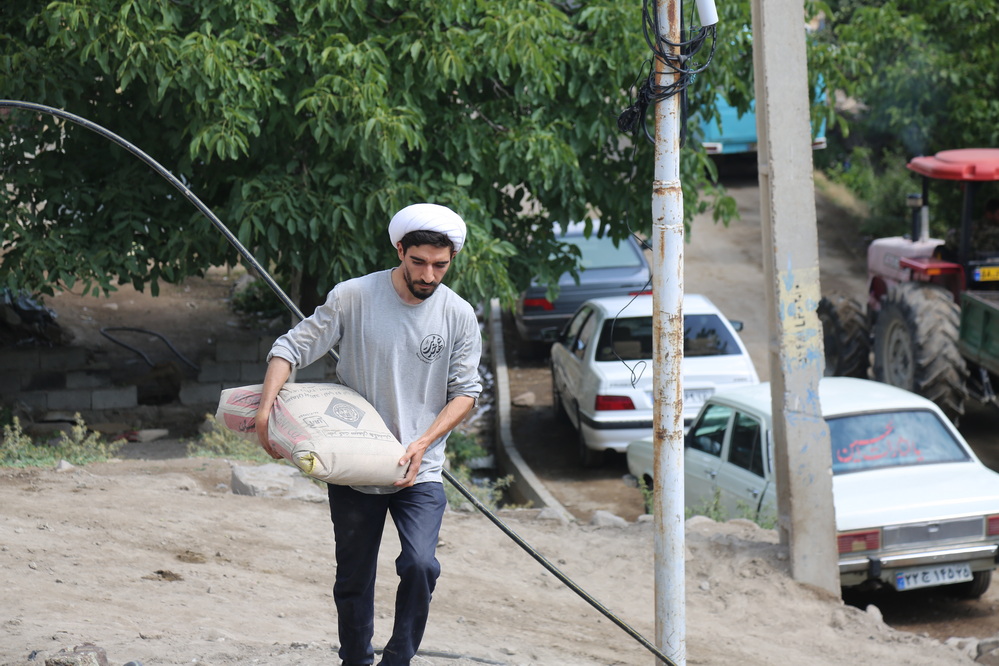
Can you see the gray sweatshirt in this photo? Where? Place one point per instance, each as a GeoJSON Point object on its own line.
{"type": "Point", "coordinates": [408, 361]}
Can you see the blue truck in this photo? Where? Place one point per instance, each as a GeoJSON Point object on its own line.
{"type": "Point", "coordinates": [737, 133]}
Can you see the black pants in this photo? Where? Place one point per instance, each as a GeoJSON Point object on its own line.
{"type": "Point", "coordinates": [358, 523]}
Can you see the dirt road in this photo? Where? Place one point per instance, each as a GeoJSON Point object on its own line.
{"type": "Point", "coordinates": [725, 264]}
{"type": "Point", "coordinates": [722, 263]}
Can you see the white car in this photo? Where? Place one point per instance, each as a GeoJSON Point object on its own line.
{"type": "Point", "coordinates": [914, 506]}
{"type": "Point", "coordinates": [601, 367]}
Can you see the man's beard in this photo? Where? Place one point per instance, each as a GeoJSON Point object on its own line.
{"type": "Point", "coordinates": [420, 290]}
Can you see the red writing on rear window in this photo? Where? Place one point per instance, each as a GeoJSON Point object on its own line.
{"type": "Point", "coordinates": [885, 445]}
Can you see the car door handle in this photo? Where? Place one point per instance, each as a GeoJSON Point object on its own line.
{"type": "Point", "coordinates": [754, 492]}
{"type": "Point", "coordinates": [712, 474]}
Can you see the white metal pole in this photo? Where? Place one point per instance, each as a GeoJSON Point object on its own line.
{"type": "Point", "coordinates": [667, 290]}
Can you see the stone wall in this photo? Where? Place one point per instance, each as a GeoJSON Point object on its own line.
{"type": "Point", "coordinates": [68, 379]}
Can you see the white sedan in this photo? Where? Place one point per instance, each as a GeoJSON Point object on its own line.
{"type": "Point", "coordinates": [914, 505]}
{"type": "Point", "coordinates": [601, 367]}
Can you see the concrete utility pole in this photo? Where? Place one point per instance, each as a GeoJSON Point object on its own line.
{"type": "Point", "coordinates": [806, 519]}
{"type": "Point", "coordinates": [667, 294]}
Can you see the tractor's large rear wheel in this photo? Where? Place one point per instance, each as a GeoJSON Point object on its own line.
{"type": "Point", "coordinates": [845, 337]}
{"type": "Point", "coordinates": [916, 345]}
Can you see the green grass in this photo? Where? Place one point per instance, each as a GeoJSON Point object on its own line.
{"type": "Point", "coordinates": [488, 493]}
{"type": "Point", "coordinates": [714, 510]}
{"type": "Point", "coordinates": [461, 448]}
{"type": "Point", "coordinates": [220, 442]}
{"type": "Point", "coordinates": [79, 446]}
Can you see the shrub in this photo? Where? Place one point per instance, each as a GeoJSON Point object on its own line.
{"type": "Point", "coordinates": [711, 509]}
{"type": "Point", "coordinates": [79, 446]}
{"type": "Point", "coordinates": [883, 183]}
{"type": "Point", "coordinates": [648, 496]}
{"type": "Point", "coordinates": [219, 442]}
{"type": "Point", "coordinates": [461, 448]}
{"type": "Point", "coordinates": [488, 493]}
{"type": "Point", "coordinates": [714, 510]}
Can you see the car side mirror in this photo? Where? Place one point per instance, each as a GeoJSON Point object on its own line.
{"type": "Point", "coordinates": [551, 335]}
{"type": "Point", "coordinates": [736, 324]}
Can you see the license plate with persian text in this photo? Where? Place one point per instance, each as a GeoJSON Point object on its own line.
{"type": "Point", "coordinates": [691, 397]}
{"type": "Point", "coordinates": [940, 574]}
{"type": "Point", "coordinates": [696, 397]}
{"type": "Point", "coordinates": [986, 274]}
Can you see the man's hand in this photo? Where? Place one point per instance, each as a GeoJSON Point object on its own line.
{"type": "Point", "coordinates": [278, 371]}
{"type": "Point", "coordinates": [452, 414]}
{"type": "Point", "coordinates": [413, 457]}
{"type": "Point", "coordinates": [260, 425]}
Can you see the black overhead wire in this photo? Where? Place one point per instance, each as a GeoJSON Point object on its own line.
{"type": "Point", "coordinates": [193, 198]}
{"type": "Point", "coordinates": [678, 59]}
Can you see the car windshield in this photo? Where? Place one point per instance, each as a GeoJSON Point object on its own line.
{"type": "Point", "coordinates": [630, 338]}
{"type": "Point", "coordinates": [891, 439]}
{"type": "Point", "coordinates": [706, 335]}
{"type": "Point", "coordinates": [602, 253]}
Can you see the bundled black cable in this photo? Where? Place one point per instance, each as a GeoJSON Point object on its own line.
{"type": "Point", "coordinates": [678, 59]}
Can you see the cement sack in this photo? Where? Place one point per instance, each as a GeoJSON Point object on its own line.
{"type": "Point", "coordinates": [326, 430]}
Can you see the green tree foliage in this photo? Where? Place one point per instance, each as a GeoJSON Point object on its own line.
{"type": "Point", "coordinates": [925, 79]}
{"type": "Point", "coordinates": [925, 72]}
{"type": "Point", "coordinates": [305, 124]}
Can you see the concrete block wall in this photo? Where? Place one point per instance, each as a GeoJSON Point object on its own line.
{"type": "Point", "coordinates": [59, 379]}
{"type": "Point", "coordinates": [242, 363]}
{"type": "Point", "coordinates": [68, 379]}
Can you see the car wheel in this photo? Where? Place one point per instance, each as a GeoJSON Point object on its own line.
{"type": "Point", "coordinates": [974, 588]}
{"type": "Point", "coordinates": [558, 406]}
{"type": "Point", "coordinates": [588, 457]}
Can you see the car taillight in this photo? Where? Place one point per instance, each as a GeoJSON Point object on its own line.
{"type": "Point", "coordinates": [855, 542]}
{"type": "Point", "coordinates": [992, 525]}
{"type": "Point", "coordinates": [613, 402]}
{"type": "Point", "coordinates": [539, 303]}
{"type": "Point", "coordinates": [647, 292]}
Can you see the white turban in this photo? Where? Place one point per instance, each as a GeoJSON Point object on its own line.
{"type": "Point", "coordinates": [428, 217]}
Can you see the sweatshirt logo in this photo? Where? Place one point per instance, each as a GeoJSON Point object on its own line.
{"type": "Point", "coordinates": [431, 347]}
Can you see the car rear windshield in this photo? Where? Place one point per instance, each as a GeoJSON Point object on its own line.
{"type": "Point", "coordinates": [891, 439]}
{"type": "Point", "coordinates": [603, 253]}
{"type": "Point", "coordinates": [630, 338]}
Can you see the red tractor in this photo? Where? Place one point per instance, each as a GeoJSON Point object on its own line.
{"type": "Point", "coordinates": [932, 318]}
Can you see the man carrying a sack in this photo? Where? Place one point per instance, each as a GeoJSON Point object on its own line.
{"type": "Point", "coordinates": [410, 346]}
